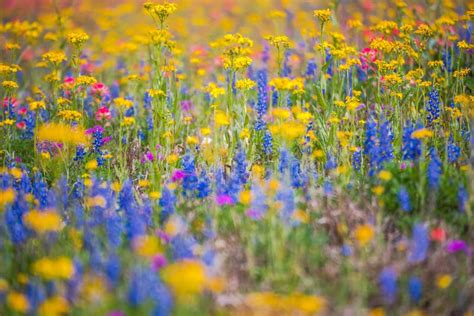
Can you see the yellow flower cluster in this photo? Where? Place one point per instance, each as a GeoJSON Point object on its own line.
{"type": "Point", "coordinates": [70, 115]}
{"type": "Point", "coordinates": [236, 51]}
{"type": "Point", "coordinates": [9, 85]}
{"type": "Point", "coordinates": [322, 15]}
{"type": "Point", "coordinates": [85, 81]}
{"type": "Point", "coordinates": [160, 11]}
{"type": "Point", "coordinates": [6, 197]}
{"type": "Point", "coordinates": [284, 83]}
{"type": "Point", "coordinates": [43, 221]}
{"type": "Point", "coordinates": [77, 38]}
{"type": "Point", "coordinates": [123, 103]}
{"type": "Point", "coordinates": [279, 42]}
{"type": "Point", "coordinates": [147, 245]}
{"type": "Point", "coordinates": [54, 57]}
{"type": "Point", "coordinates": [244, 84]}
{"type": "Point", "coordinates": [269, 303]}
{"type": "Point", "coordinates": [36, 105]}
{"type": "Point", "coordinates": [185, 278]}
{"type": "Point", "coordinates": [62, 133]}
{"type": "Point", "coordinates": [54, 268]}
{"type": "Point", "coordinates": [214, 90]}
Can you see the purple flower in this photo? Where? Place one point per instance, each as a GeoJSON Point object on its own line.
{"type": "Point", "coordinates": [457, 245]}
{"type": "Point", "coordinates": [95, 129]}
{"type": "Point", "coordinates": [186, 105]}
{"type": "Point", "coordinates": [158, 262]}
{"type": "Point", "coordinates": [178, 175]}
{"type": "Point", "coordinates": [254, 214]}
{"type": "Point", "coordinates": [224, 199]}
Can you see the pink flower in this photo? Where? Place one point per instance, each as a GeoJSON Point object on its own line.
{"type": "Point", "coordinates": [178, 175]}
{"type": "Point", "coordinates": [158, 262]}
{"type": "Point", "coordinates": [103, 113]}
{"type": "Point", "coordinates": [224, 199]}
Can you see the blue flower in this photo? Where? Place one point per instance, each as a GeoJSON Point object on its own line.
{"type": "Point", "coordinates": [388, 284]}
{"type": "Point", "coordinates": [404, 199]}
{"type": "Point", "coordinates": [434, 169]}
{"type": "Point", "coordinates": [432, 107]}
{"type": "Point", "coordinates": [415, 289]}
{"type": "Point", "coordinates": [419, 244]}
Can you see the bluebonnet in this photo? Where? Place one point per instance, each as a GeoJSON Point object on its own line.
{"type": "Point", "coordinates": [40, 190]}
{"type": "Point", "coordinates": [134, 224]}
{"type": "Point", "coordinates": [14, 219]}
{"type": "Point", "coordinates": [411, 147]}
{"type": "Point", "coordinates": [463, 196]}
{"type": "Point", "coordinates": [415, 289]}
{"type": "Point", "coordinates": [286, 196]}
{"type": "Point", "coordinates": [113, 269]}
{"type": "Point", "coordinates": [447, 59]}
{"type": "Point", "coordinates": [286, 71]}
{"type": "Point", "coordinates": [432, 108]}
{"type": "Point", "coordinates": [267, 143]}
{"type": "Point", "coordinates": [357, 159]}
{"type": "Point", "coordinates": [167, 203]}
{"type": "Point", "coordinates": [419, 244]}
{"type": "Point", "coordinates": [80, 153]}
{"type": "Point", "coordinates": [240, 166]}
{"type": "Point", "coordinates": [454, 151]}
{"type": "Point", "coordinates": [182, 246]}
{"type": "Point", "coordinates": [385, 142]}
{"type": "Point", "coordinates": [204, 185]}
{"type": "Point", "coordinates": [190, 180]}
{"type": "Point", "coordinates": [434, 169]}
{"type": "Point", "coordinates": [311, 68]}
{"type": "Point", "coordinates": [404, 199]}
{"type": "Point", "coordinates": [371, 147]}
{"type": "Point", "coordinates": [114, 229]}
{"type": "Point", "coordinates": [284, 162]}
{"type": "Point", "coordinates": [262, 99]}
{"type": "Point", "coordinates": [298, 179]}
{"type": "Point", "coordinates": [388, 284]}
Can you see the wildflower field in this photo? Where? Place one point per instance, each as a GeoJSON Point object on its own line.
{"type": "Point", "coordinates": [224, 157]}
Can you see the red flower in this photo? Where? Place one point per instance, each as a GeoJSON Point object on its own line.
{"type": "Point", "coordinates": [21, 125]}
{"type": "Point", "coordinates": [438, 234]}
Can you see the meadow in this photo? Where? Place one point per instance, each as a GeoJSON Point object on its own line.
{"type": "Point", "coordinates": [228, 157]}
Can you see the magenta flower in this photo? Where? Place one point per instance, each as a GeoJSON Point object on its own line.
{"type": "Point", "coordinates": [224, 199]}
{"type": "Point", "coordinates": [178, 175]}
{"type": "Point", "coordinates": [458, 245]}
{"type": "Point", "coordinates": [158, 262]}
{"type": "Point", "coordinates": [254, 214]}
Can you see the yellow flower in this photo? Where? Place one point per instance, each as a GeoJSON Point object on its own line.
{"type": "Point", "coordinates": [8, 84]}
{"type": "Point", "coordinates": [127, 121]}
{"type": "Point", "coordinates": [244, 133]}
{"type": "Point", "coordinates": [245, 197]}
{"type": "Point", "coordinates": [443, 281]}
{"type": "Point", "coordinates": [35, 105]}
{"type": "Point", "coordinates": [91, 165]}
{"type": "Point", "coordinates": [7, 197]}
{"type": "Point", "coordinates": [85, 81]}
{"type": "Point", "coordinates": [147, 246]}
{"type": "Point", "coordinates": [385, 175]}
{"type": "Point", "coordinates": [221, 118]}
{"type": "Point", "coordinates": [364, 234]}
{"type": "Point", "coordinates": [378, 311]}
{"type": "Point", "coordinates": [214, 90]}
{"type": "Point", "coordinates": [192, 140]}
{"type": "Point", "coordinates": [70, 115]}
{"type": "Point", "coordinates": [62, 133]}
{"type": "Point", "coordinates": [123, 104]}
{"type": "Point", "coordinates": [378, 190]}
{"type": "Point", "coordinates": [279, 41]}
{"type": "Point", "coordinates": [43, 221]}
{"type": "Point", "coordinates": [54, 306]}
{"type": "Point", "coordinates": [54, 57]}
{"type": "Point", "coordinates": [422, 133]}
{"type": "Point", "coordinates": [54, 268]}
{"type": "Point", "coordinates": [77, 38]}
{"type": "Point", "coordinates": [185, 278]}
{"type": "Point", "coordinates": [18, 302]}
{"type": "Point", "coordinates": [322, 15]}
{"type": "Point", "coordinates": [245, 84]}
